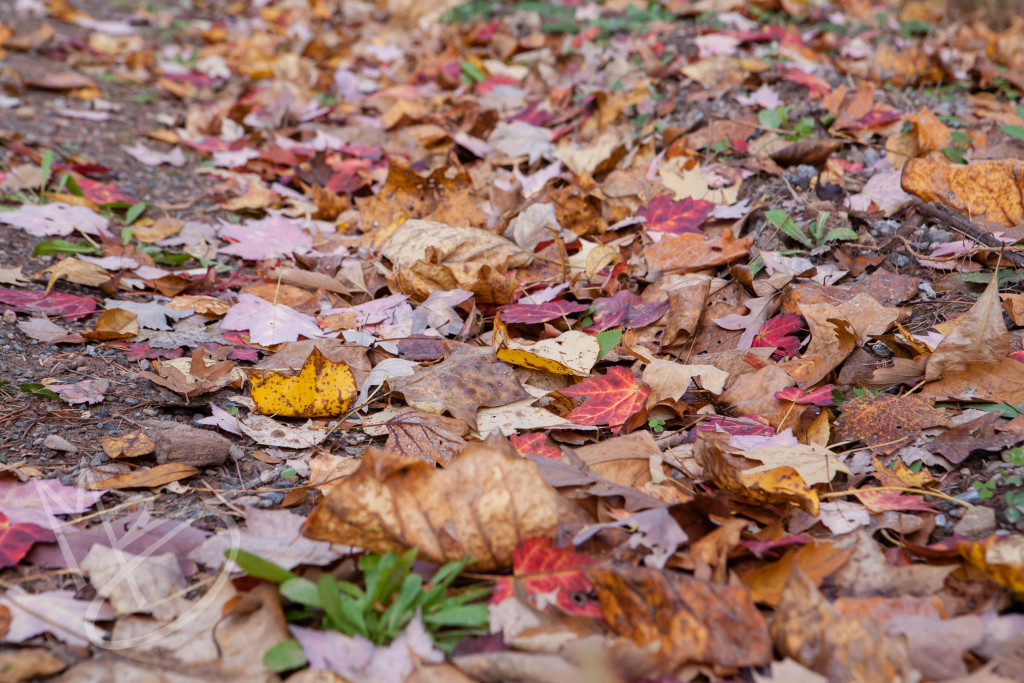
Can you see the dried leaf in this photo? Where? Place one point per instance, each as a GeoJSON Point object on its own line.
{"type": "Point", "coordinates": [608, 399]}
{"type": "Point", "coordinates": [980, 335]}
{"type": "Point", "coordinates": [549, 575]}
{"type": "Point", "coordinates": [131, 445]}
{"type": "Point", "coordinates": [153, 477]}
{"type": "Point", "coordinates": [431, 438]}
{"type": "Point", "coordinates": [992, 189]}
{"type": "Point", "coordinates": [322, 388]}
{"type": "Point", "coordinates": [482, 506]}
{"type": "Point", "coordinates": [689, 252]}
{"type": "Point", "coordinates": [886, 423]}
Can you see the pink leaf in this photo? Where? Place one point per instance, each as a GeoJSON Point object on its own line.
{"type": "Point", "coordinates": [268, 323]}
{"type": "Point", "coordinates": [822, 396]}
{"type": "Point", "coordinates": [266, 238]}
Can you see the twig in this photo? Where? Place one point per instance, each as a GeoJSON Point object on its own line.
{"type": "Point", "coordinates": [964, 226]}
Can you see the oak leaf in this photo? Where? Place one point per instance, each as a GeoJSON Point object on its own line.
{"type": "Point", "coordinates": [482, 506]}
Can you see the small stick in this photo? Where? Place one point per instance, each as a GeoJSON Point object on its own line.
{"type": "Point", "coordinates": [964, 226]}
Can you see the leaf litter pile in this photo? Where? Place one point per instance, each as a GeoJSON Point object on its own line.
{"type": "Point", "coordinates": [540, 341]}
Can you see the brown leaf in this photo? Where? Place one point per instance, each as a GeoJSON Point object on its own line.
{"type": "Point", "coordinates": [886, 423]}
{"type": "Point", "coordinates": [812, 152]}
{"type": "Point", "coordinates": [685, 306]}
{"type": "Point", "coordinates": [817, 560]}
{"type": "Point", "coordinates": [779, 485]}
{"type": "Point", "coordinates": [695, 622]}
{"type": "Point", "coordinates": [151, 478]}
{"type": "Point", "coordinates": [116, 323]}
{"type": "Point", "coordinates": [429, 256]}
{"type": "Point", "coordinates": [689, 252]}
{"type": "Point", "coordinates": [832, 340]}
{"type": "Point", "coordinates": [980, 335]}
{"type": "Point", "coordinates": [1001, 382]}
{"type": "Point", "coordinates": [469, 378]}
{"type": "Point", "coordinates": [989, 188]}
{"type": "Point", "coordinates": [810, 630]}
{"type": "Point", "coordinates": [957, 444]}
{"type": "Point", "coordinates": [131, 445]}
{"type": "Point", "coordinates": [482, 506]}
{"type": "Point", "coordinates": [444, 197]}
{"type": "Point", "coordinates": [431, 438]}
{"type": "Point", "coordinates": [753, 393]}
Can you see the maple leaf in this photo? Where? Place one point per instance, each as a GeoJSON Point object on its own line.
{"type": "Point", "coordinates": [608, 399]}
{"type": "Point", "coordinates": [268, 323]}
{"type": "Point", "coordinates": [104, 194]}
{"type": "Point", "coordinates": [55, 612]}
{"type": "Point", "coordinates": [266, 238]}
{"type": "Point", "coordinates": [627, 310]}
{"type": "Point", "coordinates": [39, 502]}
{"type": "Point", "coordinates": [534, 444]}
{"type": "Point", "coordinates": [540, 313]}
{"type": "Point", "coordinates": [57, 219]}
{"type": "Point", "coordinates": [53, 304]}
{"type": "Point", "coordinates": [542, 570]}
{"type": "Point", "coordinates": [664, 214]}
{"type": "Point", "coordinates": [780, 333]}
{"type": "Point", "coordinates": [887, 423]}
{"type": "Point", "coordinates": [689, 252]}
{"type": "Point", "coordinates": [17, 539]}
{"type": "Point", "coordinates": [822, 396]}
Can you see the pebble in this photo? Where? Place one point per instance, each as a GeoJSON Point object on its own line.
{"type": "Point", "coordinates": [98, 459]}
{"type": "Point", "coordinates": [66, 480]}
{"type": "Point", "coordinates": [881, 350]}
{"type": "Point", "coordinates": [901, 260]}
{"type": "Point", "coordinates": [871, 157]}
{"type": "Point", "coordinates": [969, 496]}
{"type": "Point", "coordinates": [938, 236]}
{"type": "Point", "coordinates": [886, 226]}
{"type": "Point", "coordinates": [926, 289]}
{"type": "Point", "coordinates": [977, 522]}
{"type": "Point", "coordinates": [131, 401]}
{"type": "Point", "coordinates": [273, 498]}
{"type": "Point", "coordinates": [942, 521]}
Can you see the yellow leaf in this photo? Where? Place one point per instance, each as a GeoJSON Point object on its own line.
{"type": "Point", "coordinates": [321, 389]}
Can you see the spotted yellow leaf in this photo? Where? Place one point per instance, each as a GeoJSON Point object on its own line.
{"type": "Point", "coordinates": [322, 388]}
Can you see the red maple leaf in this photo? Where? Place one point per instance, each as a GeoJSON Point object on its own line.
{"type": "Point", "coordinates": [55, 304]}
{"type": "Point", "coordinates": [104, 194]}
{"type": "Point", "coordinates": [884, 501]}
{"type": "Point", "coordinates": [817, 85]}
{"type": "Point", "coordinates": [625, 309]}
{"type": "Point", "coordinates": [748, 425]}
{"type": "Point", "coordinates": [17, 539]}
{"type": "Point", "coordinates": [822, 396]}
{"type": "Point", "coordinates": [543, 569]}
{"type": "Point", "coordinates": [1018, 356]}
{"type": "Point", "coordinates": [540, 313]}
{"type": "Point", "coordinates": [534, 444]}
{"type": "Point", "coordinates": [608, 399]}
{"type": "Point", "coordinates": [780, 333]}
{"type": "Point", "coordinates": [665, 214]}
{"type": "Point", "coordinates": [875, 117]}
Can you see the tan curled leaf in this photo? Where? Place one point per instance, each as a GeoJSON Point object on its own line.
{"type": "Point", "coordinates": [151, 478]}
{"type": "Point", "coordinates": [481, 506]}
{"type": "Point", "coordinates": [980, 335]}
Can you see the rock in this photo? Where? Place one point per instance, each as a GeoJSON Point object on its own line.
{"type": "Point", "coordinates": [59, 443]}
{"type": "Point", "coordinates": [190, 446]}
{"type": "Point", "coordinates": [978, 522]}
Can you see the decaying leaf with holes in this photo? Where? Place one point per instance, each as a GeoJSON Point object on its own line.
{"type": "Point", "coordinates": [322, 388]}
{"type": "Point", "coordinates": [886, 423]}
{"type": "Point", "coordinates": [431, 438]}
{"type": "Point", "coordinates": [481, 507]}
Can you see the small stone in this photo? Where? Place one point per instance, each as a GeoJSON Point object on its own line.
{"type": "Point", "coordinates": [978, 522]}
{"type": "Point", "coordinates": [901, 260]}
{"type": "Point", "coordinates": [131, 401]}
{"type": "Point", "coordinates": [190, 446]}
{"type": "Point", "coordinates": [969, 496]}
{"type": "Point", "coordinates": [67, 480]}
{"type": "Point", "coordinates": [59, 443]}
{"type": "Point", "coordinates": [886, 226]}
{"type": "Point", "coordinates": [926, 290]}
{"type": "Point", "coordinates": [98, 460]}
{"type": "Point", "coordinates": [881, 350]}
{"type": "Point", "coordinates": [938, 236]}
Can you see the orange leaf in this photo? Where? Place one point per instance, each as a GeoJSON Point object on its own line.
{"type": "Point", "coordinates": [151, 478]}
{"type": "Point", "coordinates": [608, 399]}
{"type": "Point", "coordinates": [689, 252]}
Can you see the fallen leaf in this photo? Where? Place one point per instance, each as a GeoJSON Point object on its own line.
{"type": "Point", "coordinates": [481, 506]}
{"type": "Point", "coordinates": [540, 313]}
{"type": "Point", "coordinates": [694, 622]}
{"type": "Point", "coordinates": [131, 445]}
{"type": "Point", "coordinates": [664, 214]}
{"type": "Point", "coordinates": [39, 502]}
{"type": "Point", "coordinates": [76, 271]}
{"type": "Point", "coordinates": [267, 432]}
{"type": "Point", "coordinates": [669, 380]}
{"type": "Point", "coordinates": [116, 323]}
{"type": "Point", "coordinates": [515, 417]}
{"type": "Point", "coordinates": [56, 219]}
{"type": "Point", "coordinates": [429, 256]}
{"type": "Point", "coordinates": [608, 399]}
{"type": "Point", "coordinates": [1000, 559]}
{"type": "Point", "coordinates": [43, 330]}
{"type": "Point", "coordinates": [886, 423]}
{"type": "Point", "coordinates": [570, 353]}
{"type": "Point", "coordinates": [431, 438]}
{"type": "Point", "coordinates": [549, 576]}
{"type": "Point", "coordinates": [814, 464]}
{"type": "Point", "coordinates": [625, 309]}
{"type": "Point", "coordinates": [468, 379]}
{"type": "Point", "coordinates": [268, 324]}
{"type": "Point", "coordinates": [53, 305]}
{"type": "Point", "coordinates": [982, 188]}
{"type": "Point", "coordinates": [55, 612]}
{"type": "Point", "coordinates": [87, 391]}
{"type": "Point", "coordinates": [817, 560]}
{"type": "Point", "coordinates": [808, 629]}
{"type": "Point", "coordinates": [689, 252]}
{"type": "Point", "coordinates": [153, 477]}
{"type": "Point", "coordinates": [321, 388]}
{"type": "Point", "coordinates": [18, 538]}
{"type": "Point", "coordinates": [980, 335]}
